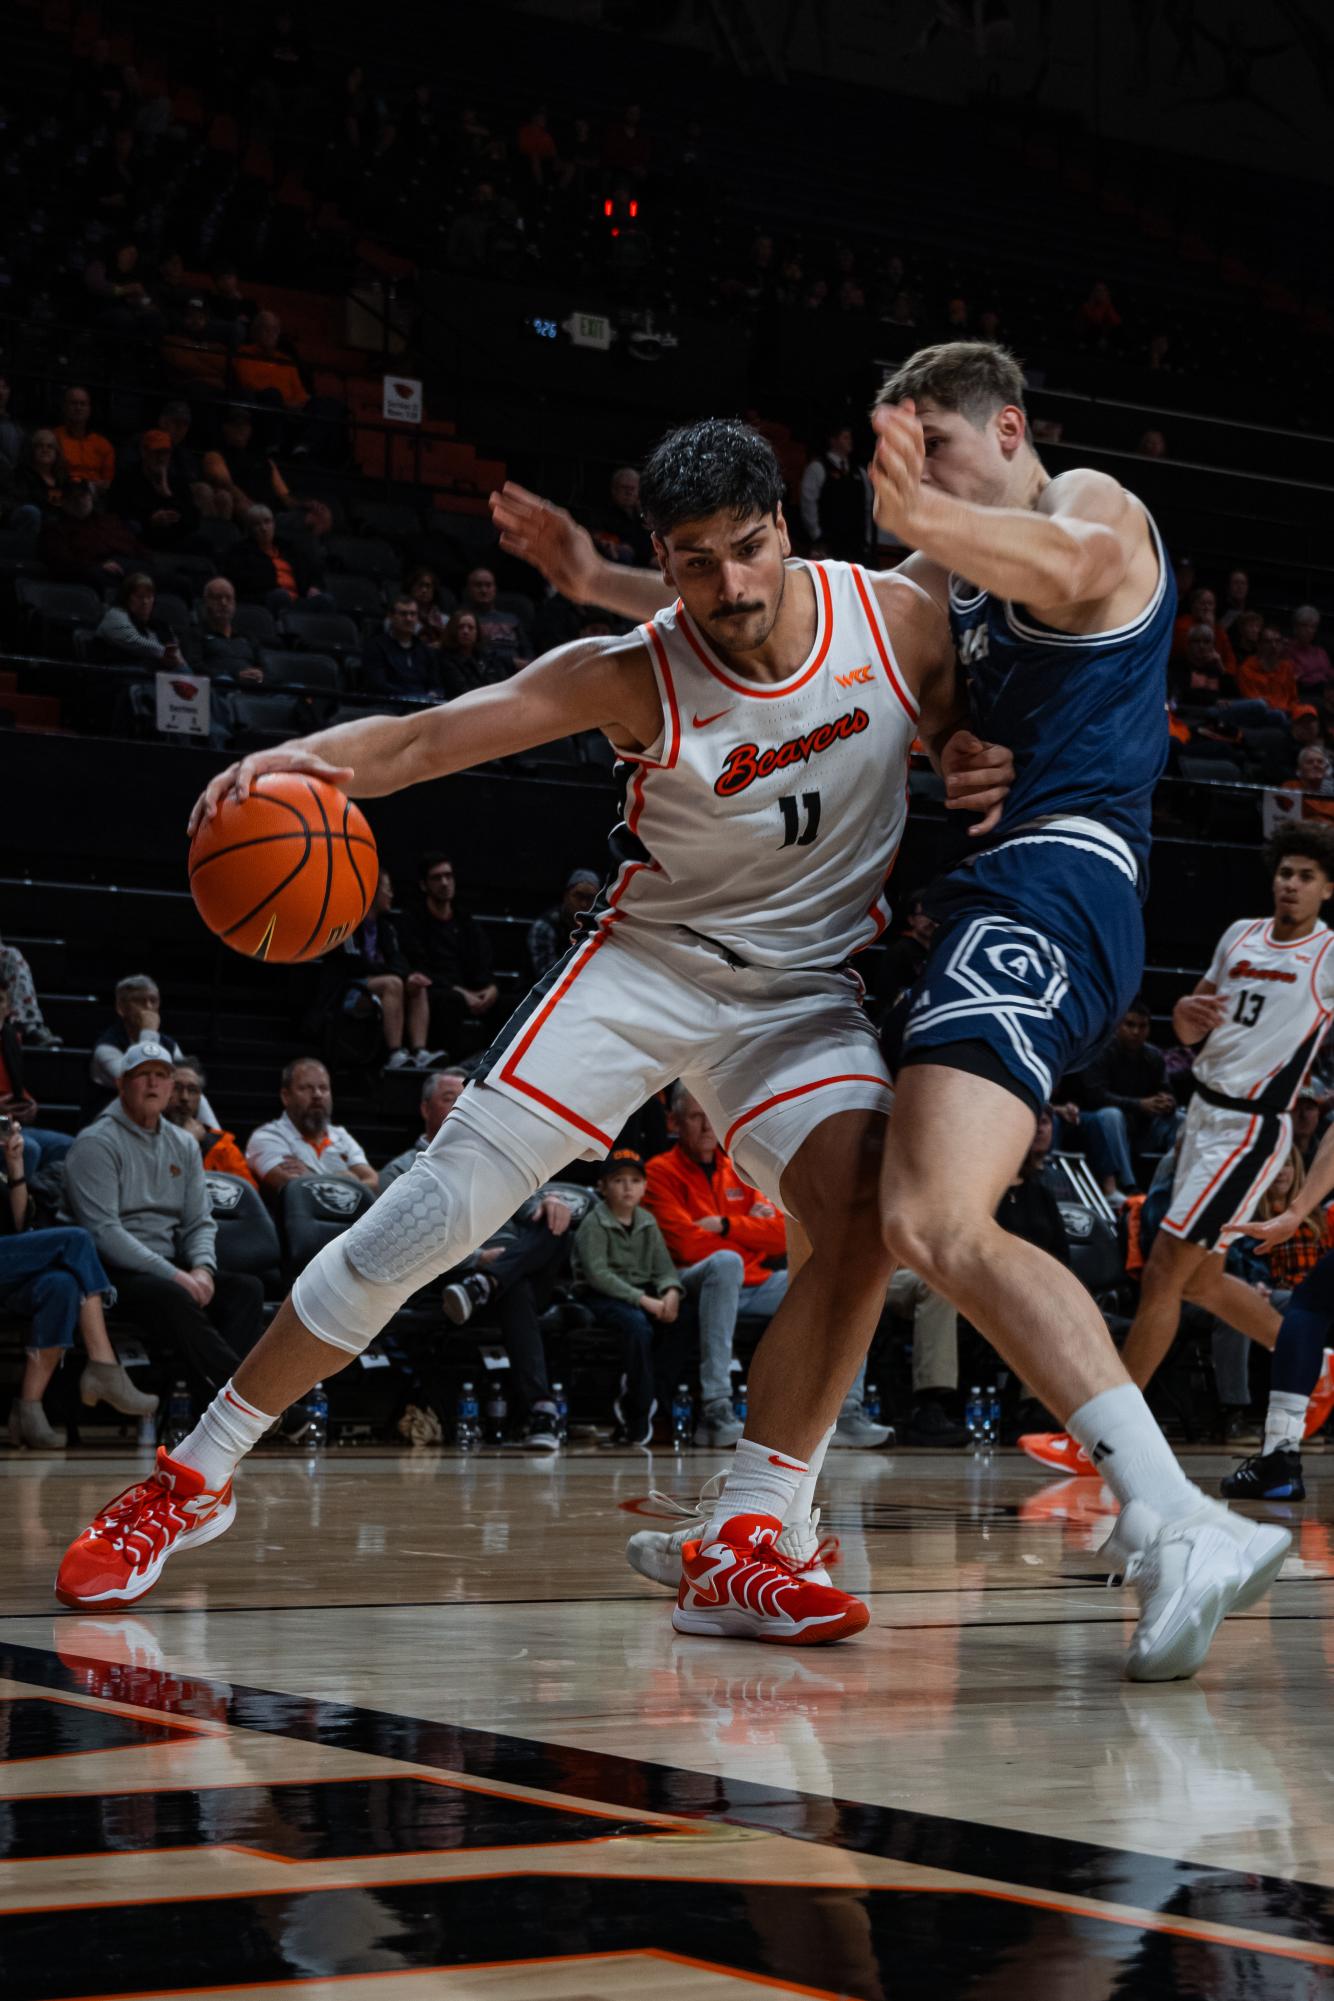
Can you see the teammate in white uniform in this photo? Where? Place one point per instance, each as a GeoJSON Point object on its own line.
{"type": "Point", "coordinates": [765, 724]}
{"type": "Point", "coordinates": [1261, 1012]}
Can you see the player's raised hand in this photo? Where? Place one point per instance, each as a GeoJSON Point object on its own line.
{"type": "Point", "coordinates": [547, 537]}
{"type": "Point", "coordinates": [896, 467]}
{"type": "Point", "coordinates": [977, 777]}
{"type": "Point", "coordinates": [237, 779]}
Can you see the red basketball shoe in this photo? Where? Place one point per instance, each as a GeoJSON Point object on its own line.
{"type": "Point", "coordinates": [120, 1555]}
{"type": "Point", "coordinates": [1059, 1450]}
{"type": "Point", "coordinates": [1322, 1396]}
{"type": "Point", "coordinates": [738, 1587]}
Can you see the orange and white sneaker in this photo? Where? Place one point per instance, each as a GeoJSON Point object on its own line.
{"type": "Point", "coordinates": [120, 1555]}
{"type": "Point", "coordinates": [739, 1587]}
{"type": "Point", "coordinates": [1058, 1450]}
{"type": "Point", "coordinates": [1322, 1396]}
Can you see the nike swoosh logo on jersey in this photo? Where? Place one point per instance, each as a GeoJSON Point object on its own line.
{"type": "Point", "coordinates": [702, 722]}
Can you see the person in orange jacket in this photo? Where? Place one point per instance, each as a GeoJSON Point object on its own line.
{"type": "Point", "coordinates": [723, 1238]}
{"type": "Point", "coordinates": [221, 1150]}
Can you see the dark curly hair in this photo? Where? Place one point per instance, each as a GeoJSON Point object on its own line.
{"type": "Point", "coordinates": [1308, 838]}
{"type": "Point", "coordinates": [718, 466]}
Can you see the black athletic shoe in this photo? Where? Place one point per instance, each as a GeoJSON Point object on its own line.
{"type": "Point", "coordinates": [1270, 1476]}
{"type": "Point", "coordinates": [932, 1425]}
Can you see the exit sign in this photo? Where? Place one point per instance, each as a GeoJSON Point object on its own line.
{"type": "Point", "coordinates": [590, 330]}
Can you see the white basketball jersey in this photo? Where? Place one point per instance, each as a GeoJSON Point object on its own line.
{"type": "Point", "coordinates": [1280, 998]}
{"type": "Point", "coordinates": [768, 815]}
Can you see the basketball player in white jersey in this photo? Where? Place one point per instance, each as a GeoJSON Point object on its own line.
{"type": "Point", "coordinates": [769, 711]}
{"type": "Point", "coordinates": [1260, 1013]}
{"type": "Point", "coordinates": [764, 725]}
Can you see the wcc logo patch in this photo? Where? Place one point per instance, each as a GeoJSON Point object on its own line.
{"type": "Point", "coordinates": [747, 761]}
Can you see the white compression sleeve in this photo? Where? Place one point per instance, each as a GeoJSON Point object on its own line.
{"type": "Point", "coordinates": [490, 1155]}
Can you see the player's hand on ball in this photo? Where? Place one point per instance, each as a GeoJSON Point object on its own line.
{"type": "Point", "coordinates": [977, 777]}
{"type": "Point", "coordinates": [547, 537]}
{"type": "Point", "coordinates": [896, 467]}
{"type": "Point", "coordinates": [238, 778]}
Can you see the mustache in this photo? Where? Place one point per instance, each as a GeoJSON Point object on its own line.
{"type": "Point", "coordinates": [738, 611]}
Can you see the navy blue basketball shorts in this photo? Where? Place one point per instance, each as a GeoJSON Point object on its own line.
{"type": "Point", "coordinates": [1039, 951]}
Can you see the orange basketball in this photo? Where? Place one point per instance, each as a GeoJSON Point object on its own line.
{"type": "Point", "coordinates": [287, 873]}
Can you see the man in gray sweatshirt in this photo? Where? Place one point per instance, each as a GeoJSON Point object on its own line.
{"type": "Point", "coordinates": [136, 1184]}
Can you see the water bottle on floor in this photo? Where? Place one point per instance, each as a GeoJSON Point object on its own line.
{"type": "Point", "coordinates": [683, 1416]}
{"type": "Point", "coordinates": [497, 1415]}
{"type": "Point", "coordinates": [312, 1434]}
{"type": "Point", "coordinates": [871, 1402]}
{"type": "Point", "coordinates": [467, 1426]}
{"type": "Point", "coordinates": [993, 1415]}
{"type": "Point", "coordinates": [973, 1417]}
{"type": "Point", "coordinates": [562, 1403]}
{"type": "Point", "coordinates": [741, 1403]}
{"type": "Point", "coordinates": [180, 1418]}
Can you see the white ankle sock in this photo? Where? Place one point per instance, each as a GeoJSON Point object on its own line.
{"type": "Point", "coordinates": [224, 1434]}
{"type": "Point", "coordinates": [1121, 1436]}
{"type": "Point", "coordinates": [799, 1508]}
{"type": "Point", "coordinates": [761, 1482]}
{"type": "Point", "coordinates": [1285, 1421]}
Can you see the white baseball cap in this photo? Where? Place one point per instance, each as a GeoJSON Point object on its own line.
{"type": "Point", "coordinates": [147, 1051]}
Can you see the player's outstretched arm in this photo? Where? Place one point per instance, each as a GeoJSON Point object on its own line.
{"type": "Point", "coordinates": [1074, 548]}
{"type": "Point", "coordinates": [549, 538]}
{"type": "Point", "coordinates": [1314, 1190]}
{"type": "Point", "coordinates": [590, 684]}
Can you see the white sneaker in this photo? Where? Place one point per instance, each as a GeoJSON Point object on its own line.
{"type": "Point", "coordinates": [400, 1060]}
{"type": "Point", "coordinates": [424, 1058]}
{"type": "Point", "coordinates": [1263, 1546]}
{"type": "Point", "coordinates": [1188, 1578]}
{"type": "Point", "coordinates": [656, 1553]}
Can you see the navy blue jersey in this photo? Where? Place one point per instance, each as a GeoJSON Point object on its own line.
{"type": "Point", "coordinates": [1085, 714]}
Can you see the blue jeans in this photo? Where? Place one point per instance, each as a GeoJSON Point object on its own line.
{"type": "Point", "coordinates": [635, 1332]}
{"type": "Point", "coordinates": [1107, 1141]}
{"type": "Point", "coordinates": [45, 1275]}
{"type": "Point", "coordinates": [42, 1148]}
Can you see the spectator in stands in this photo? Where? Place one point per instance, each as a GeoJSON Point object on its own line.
{"type": "Point", "coordinates": [370, 972]}
{"type": "Point", "coordinates": [266, 369]}
{"type": "Point", "coordinates": [500, 632]}
{"type": "Point", "coordinates": [424, 587]}
{"type": "Point", "coordinates": [86, 452]}
{"type": "Point", "coordinates": [1308, 1124]}
{"type": "Point", "coordinates": [1028, 1209]}
{"type": "Point", "coordinates": [535, 144]}
{"type": "Point", "coordinates": [136, 1183]}
{"type": "Point", "coordinates": [127, 631]}
{"type": "Point", "coordinates": [1152, 445]}
{"type": "Point", "coordinates": [1202, 609]}
{"type": "Point", "coordinates": [192, 354]}
{"type": "Point", "coordinates": [1234, 603]}
{"type": "Point", "coordinates": [84, 547]}
{"type": "Point", "coordinates": [304, 1140]}
{"type": "Point", "coordinates": [441, 1091]}
{"type": "Point", "coordinates": [626, 149]}
{"type": "Point", "coordinates": [633, 1287]}
{"type": "Point", "coordinates": [54, 1278]}
{"type": "Point", "coordinates": [906, 953]}
{"type": "Point", "coordinates": [138, 1019]}
{"type": "Point", "coordinates": [11, 432]}
{"type": "Point", "coordinates": [161, 510]}
{"type": "Point", "coordinates": [228, 303]}
{"type": "Point", "coordinates": [725, 1240]}
{"type": "Point", "coordinates": [549, 935]}
{"type": "Point", "coordinates": [39, 484]}
{"type": "Point", "coordinates": [239, 475]}
{"type": "Point", "coordinates": [116, 290]}
{"type": "Point", "coordinates": [1129, 1103]}
{"type": "Point", "coordinates": [41, 1147]}
{"type": "Point", "coordinates": [16, 974]}
{"type": "Point", "coordinates": [1309, 658]}
{"type": "Point", "coordinates": [1201, 685]}
{"type": "Point", "coordinates": [452, 948]}
{"type": "Point", "coordinates": [477, 664]}
{"type": "Point", "coordinates": [1098, 315]}
{"type": "Point", "coordinates": [170, 290]}
{"type": "Point", "coordinates": [220, 1151]}
{"type": "Point", "coordinates": [1314, 775]}
{"type": "Point", "coordinates": [1269, 675]}
{"type": "Point", "coordinates": [1306, 728]}
{"type": "Point", "coordinates": [396, 661]}
{"type": "Point", "coordinates": [215, 646]}
{"type": "Point", "coordinates": [617, 526]}
{"type": "Point", "coordinates": [1244, 633]}
{"type": "Point", "coordinates": [935, 1360]}
{"type": "Point", "coordinates": [266, 573]}
{"type": "Point", "coordinates": [836, 501]}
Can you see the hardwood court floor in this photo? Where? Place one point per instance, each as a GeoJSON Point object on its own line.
{"type": "Point", "coordinates": [414, 1730]}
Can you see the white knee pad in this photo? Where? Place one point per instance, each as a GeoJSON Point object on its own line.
{"type": "Point", "coordinates": [487, 1159]}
